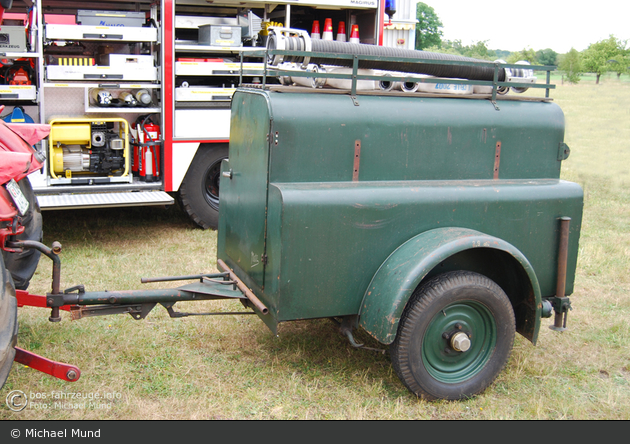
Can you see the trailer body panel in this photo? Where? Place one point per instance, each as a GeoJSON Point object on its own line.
{"type": "Point", "coordinates": [423, 164]}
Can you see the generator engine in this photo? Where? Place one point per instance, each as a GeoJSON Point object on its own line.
{"type": "Point", "coordinates": [99, 150]}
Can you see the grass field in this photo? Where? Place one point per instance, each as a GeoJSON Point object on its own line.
{"type": "Point", "coordinates": [229, 367]}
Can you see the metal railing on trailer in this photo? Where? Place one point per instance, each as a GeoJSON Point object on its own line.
{"type": "Point", "coordinates": [275, 66]}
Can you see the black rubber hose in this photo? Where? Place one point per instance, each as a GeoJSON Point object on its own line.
{"type": "Point", "coordinates": [448, 71]}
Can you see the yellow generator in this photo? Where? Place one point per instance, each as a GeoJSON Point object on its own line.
{"type": "Point", "coordinates": [86, 151]}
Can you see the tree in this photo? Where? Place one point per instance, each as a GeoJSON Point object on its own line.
{"type": "Point", "coordinates": [527, 54]}
{"type": "Point", "coordinates": [502, 54]}
{"type": "Point", "coordinates": [570, 64]}
{"type": "Point", "coordinates": [546, 57]}
{"type": "Point", "coordinates": [477, 50]}
{"type": "Point", "coordinates": [428, 28]}
{"type": "Point", "coordinates": [621, 61]}
{"type": "Point", "coordinates": [597, 57]}
{"type": "Point", "coordinates": [619, 65]}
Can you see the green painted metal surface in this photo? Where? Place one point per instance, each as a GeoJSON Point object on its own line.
{"type": "Point", "coordinates": [412, 138]}
{"type": "Point", "coordinates": [423, 164]}
{"type": "Point", "coordinates": [401, 273]}
{"type": "Point", "coordinates": [335, 236]}
{"type": "Point", "coordinates": [244, 189]}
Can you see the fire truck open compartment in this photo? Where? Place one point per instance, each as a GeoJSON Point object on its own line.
{"type": "Point", "coordinates": [177, 62]}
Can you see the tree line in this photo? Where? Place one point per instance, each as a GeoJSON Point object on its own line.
{"type": "Point", "coordinates": [608, 55]}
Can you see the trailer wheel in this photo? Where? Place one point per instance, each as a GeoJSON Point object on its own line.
{"type": "Point", "coordinates": [199, 192]}
{"type": "Point", "coordinates": [455, 336]}
{"type": "Point", "coordinates": [22, 266]}
{"type": "Point", "coordinates": [8, 323]}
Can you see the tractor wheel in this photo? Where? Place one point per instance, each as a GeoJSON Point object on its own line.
{"type": "Point", "coordinates": [8, 323]}
{"type": "Point", "coordinates": [22, 266]}
{"type": "Point", "coordinates": [199, 192]}
{"type": "Point", "coordinates": [455, 336]}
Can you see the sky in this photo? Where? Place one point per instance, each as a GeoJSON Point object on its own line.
{"type": "Point", "coordinates": [514, 25]}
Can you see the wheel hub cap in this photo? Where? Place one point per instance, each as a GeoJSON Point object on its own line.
{"type": "Point", "coordinates": [454, 357]}
{"type": "Point", "coordinates": [460, 342]}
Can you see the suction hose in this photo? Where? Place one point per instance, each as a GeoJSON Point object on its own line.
{"type": "Point", "coordinates": [295, 40]}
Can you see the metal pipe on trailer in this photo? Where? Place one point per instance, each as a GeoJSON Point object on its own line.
{"type": "Point", "coordinates": [290, 47]}
{"type": "Point", "coordinates": [246, 291]}
{"type": "Point", "coordinates": [561, 303]}
{"type": "Point", "coordinates": [472, 69]}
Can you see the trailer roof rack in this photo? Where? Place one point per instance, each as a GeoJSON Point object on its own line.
{"type": "Point", "coordinates": [494, 89]}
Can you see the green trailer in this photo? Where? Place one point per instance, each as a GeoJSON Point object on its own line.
{"type": "Point", "coordinates": [437, 223]}
{"type": "Point", "coordinates": [438, 216]}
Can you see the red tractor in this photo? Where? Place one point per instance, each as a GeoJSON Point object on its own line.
{"type": "Point", "coordinates": [20, 230]}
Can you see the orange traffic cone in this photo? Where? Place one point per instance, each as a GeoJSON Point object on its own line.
{"type": "Point", "coordinates": [315, 35]}
{"type": "Point", "coordinates": [354, 35]}
{"type": "Point", "coordinates": [328, 30]}
{"type": "Point", "coordinates": [341, 32]}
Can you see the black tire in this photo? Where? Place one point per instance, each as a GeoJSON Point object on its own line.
{"type": "Point", "coordinates": [441, 316]}
{"type": "Point", "coordinates": [8, 323]}
{"type": "Point", "coordinates": [199, 192]}
{"type": "Point", "coordinates": [22, 266]}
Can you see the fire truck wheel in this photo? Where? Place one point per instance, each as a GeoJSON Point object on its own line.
{"type": "Point", "coordinates": [8, 323]}
{"type": "Point", "coordinates": [455, 336]}
{"type": "Point", "coordinates": [199, 192]}
{"type": "Point", "coordinates": [22, 266]}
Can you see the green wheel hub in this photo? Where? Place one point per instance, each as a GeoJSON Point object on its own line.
{"type": "Point", "coordinates": [444, 362]}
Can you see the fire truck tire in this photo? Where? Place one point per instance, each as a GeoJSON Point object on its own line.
{"type": "Point", "coordinates": [455, 336]}
{"type": "Point", "coordinates": [8, 323]}
{"type": "Point", "coordinates": [199, 192]}
{"type": "Point", "coordinates": [22, 266]}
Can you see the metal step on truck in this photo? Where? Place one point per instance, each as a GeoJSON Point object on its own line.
{"type": "Point", "coordinates": [433, 217]}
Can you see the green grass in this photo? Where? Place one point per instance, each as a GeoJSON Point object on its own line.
{"type": "Point", "coordinates": [231, 367]}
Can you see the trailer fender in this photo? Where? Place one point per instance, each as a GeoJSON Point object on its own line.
{"type": "Point", "coordinates": [402, 272]}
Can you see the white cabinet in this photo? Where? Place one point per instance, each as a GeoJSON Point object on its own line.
{"type": "Point", "coordinates": [92, 73]}
{"type": "Point", "coordinates": [100, 33]}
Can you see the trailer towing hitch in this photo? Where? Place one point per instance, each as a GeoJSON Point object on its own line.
{"type": "Point", "coordinates": [137, 303]}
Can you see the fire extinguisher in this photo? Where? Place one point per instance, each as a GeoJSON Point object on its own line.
{"type": "Point", "coordinates": [146, 153]}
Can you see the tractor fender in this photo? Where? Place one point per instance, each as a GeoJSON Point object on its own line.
{"type": "Point", "coordinates": [404, 269]}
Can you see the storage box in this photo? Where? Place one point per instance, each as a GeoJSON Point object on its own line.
{"type": "Point", "coordinates": [13, 38]}
{"type": "Point", "coordinates": [215, 35]}
{"type": "Point", "coordinates": [102, 33]}
{"type": "Point", "coordinates": [111, 18]}
{"type": "Point", "coordinates": [72, 61]}
{"type": "Point", "coordinates": [60, 19]}
{"type": "Point", "coordinates": [203, 94]}
{"type": "Point", "coordinates": [138, 73]}
{"type": "Point", "coordinates": [124, 60]}
{"type": "Point", "coordinates": [18, 92]}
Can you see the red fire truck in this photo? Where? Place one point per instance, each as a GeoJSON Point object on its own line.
{"type": "Point", "coordinates": [138, 93]}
